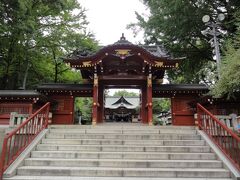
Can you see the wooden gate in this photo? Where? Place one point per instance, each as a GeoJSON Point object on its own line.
{"type": "Point", "coordinates": [63, 110]}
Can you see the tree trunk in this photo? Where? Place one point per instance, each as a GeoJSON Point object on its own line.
{"type": "Point", "coordinates": [25, 76]}
{"type": "Point", "coordinates": [56, 66]}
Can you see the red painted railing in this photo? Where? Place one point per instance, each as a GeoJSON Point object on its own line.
{"type": "Point", "coordinates": [17, 140]}
{"type": "Point", "coordinates": [220, 134]}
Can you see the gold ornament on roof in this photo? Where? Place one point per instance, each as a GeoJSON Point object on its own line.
{"type": "Point", "coordinates": [95, 81]}
{"type": "Point", "coordinates": [159, 64]}
{"type": "Point", "coordinates": [149, 81]}
{"type": "Point", "coordinates": [87, 63]}
{"type": "Point", "coordinates": [122, 51]}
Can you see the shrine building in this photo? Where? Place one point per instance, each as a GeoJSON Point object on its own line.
{"type": "Point", "coordinates": [125, 109]}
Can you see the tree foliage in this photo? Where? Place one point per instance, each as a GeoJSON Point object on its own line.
{"type": "Point", "coordinates": [229, 82]}
{"type": "Point", "coordinates": [177, 25]}
{"type": "Point", "coordinates": [35, 35]}
{"type": "Point", "coordinates": [84, 105]}
{"type": "Point", "coordinates": [125, 93]}
{"type": "Point", "coordinates": [161, 104]}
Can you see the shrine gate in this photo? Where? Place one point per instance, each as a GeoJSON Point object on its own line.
{"type": "Point", "coordinates": [123, 65]}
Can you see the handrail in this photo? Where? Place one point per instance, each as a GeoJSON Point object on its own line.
{"type": "Point", "coordinates": [220, 134]}
{"type": "Point", "coordinates": [17, 140]}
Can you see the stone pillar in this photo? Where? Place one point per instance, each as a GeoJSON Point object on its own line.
{"type": "Point", "coordinates": [95, 100]}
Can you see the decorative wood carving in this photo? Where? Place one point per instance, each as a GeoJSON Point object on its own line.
{"type": "Point", "coordinates": [95, 81]}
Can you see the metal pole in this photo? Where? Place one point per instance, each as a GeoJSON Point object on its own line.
{"type": "Point", "coordinates": [217, 51]}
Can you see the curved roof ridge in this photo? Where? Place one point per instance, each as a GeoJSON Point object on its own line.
{"type": "Point", "coordinates": [154, 52]}
{"type": "Point", "coordinates": [122, 100]}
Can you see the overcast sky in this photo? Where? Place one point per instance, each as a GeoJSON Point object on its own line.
{"type": "Point", "coordinates": [108, 18]}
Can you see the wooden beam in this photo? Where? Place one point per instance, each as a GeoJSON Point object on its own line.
{"type": "Point", "coordinates": [122, 77]}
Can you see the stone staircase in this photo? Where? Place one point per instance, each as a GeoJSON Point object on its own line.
{"type": "Point", "coordinates": [121, 152]}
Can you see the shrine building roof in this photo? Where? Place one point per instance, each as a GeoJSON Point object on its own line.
{"type": "Point", "coordinates": [60, 89]}
{"type": "Point", "coordinates": [10, 95]}
{"type": "Point", "coordinates": [180, 87]}
{"type": "Point", "coordinates": [127, 102]}
{"type": "Point", "coordinates": [154, 50]}
{"type": "Point", "coordinates": [173, 89]}
{"type": "Point", "coordinates": [67, 87]}
{"type": "Point", "coordinates": [123, 49]}
{"type": "Point", "coordinates": [123, 58]}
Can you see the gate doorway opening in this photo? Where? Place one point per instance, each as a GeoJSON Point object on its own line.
{"type": "Point", "coordinates": [83, 110]}
{"type": "Point", "coordinates": [122, 105]}
{"type": "Point", "coordinates": [162, 113]}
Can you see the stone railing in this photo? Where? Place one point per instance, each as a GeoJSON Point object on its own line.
{"type": "Point", "coordinates": [17, 119]}
{"type": "Point", "coordinates": [231, 122]}
{"type": "Point", "coordinates": [227, 120]}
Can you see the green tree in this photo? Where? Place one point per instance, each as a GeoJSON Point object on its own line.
{"type": "Point", "coordinates": [34, 36]}
{"type": "Point", "coordinates": [177, 25]}
{"type": "Point", "coordinates": [161, 104]}
{"type": "Point", "coordinates": [84, 104]}
{"type": "Point", "coordinates": [125, 93]}
{"type": "Point", "coordinates": [229, 82]}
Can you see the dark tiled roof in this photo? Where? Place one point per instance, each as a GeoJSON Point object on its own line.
{"type": "Point", "coordinates": [19, 93]}
{"type": "Point", "coordinates": [22, 95]}
{"type": "Point", "coordinates": [180, 87]}
{"type": "Point", "coordinates": [65, 87]}
{"type": "Point", "coordinates": [155, 50]}
{"type": "Point", "coordinates": [132, 102]}
{"type": "Point", "coordinates": [122, 100]}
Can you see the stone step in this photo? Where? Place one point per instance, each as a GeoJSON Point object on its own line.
{"type": "Point", "coordinates": [119, 131]}
{"type": "Point", "coordinates": [68, 135]}
{"type": "Point", "coordinates": [123, 172]}
{"type": "Point", "coordinates": [125, 142]}
{"type": "Point", "coordinates": [118, 126]}
{"type": "Point", "coordinates": [123, 155]}
{"type": "Point", "coordinates": [122, 152]}
{"type": "Point", "coordinates": [123, 163]}
{"type": "Point", "coordinates": [102, 178]}
{"type": "Point", "coordinates": [121, 148]}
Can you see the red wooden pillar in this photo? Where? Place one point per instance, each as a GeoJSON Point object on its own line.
{"type": "Point", "coordinates": [140, 104]}
{"type": "Point", "coordinates": [143, 105]}
{"type": "Point", "coordinates": [100, 104]}
{"type": "Point", "coordinates": [95, 100]}
{"type": "Point", "coordinates": [149, 99]}
{"type": "Point", "coordinates": [173, 109]}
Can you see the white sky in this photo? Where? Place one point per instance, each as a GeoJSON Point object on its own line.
{"type": "Point", "coordinates": [108, 19]}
